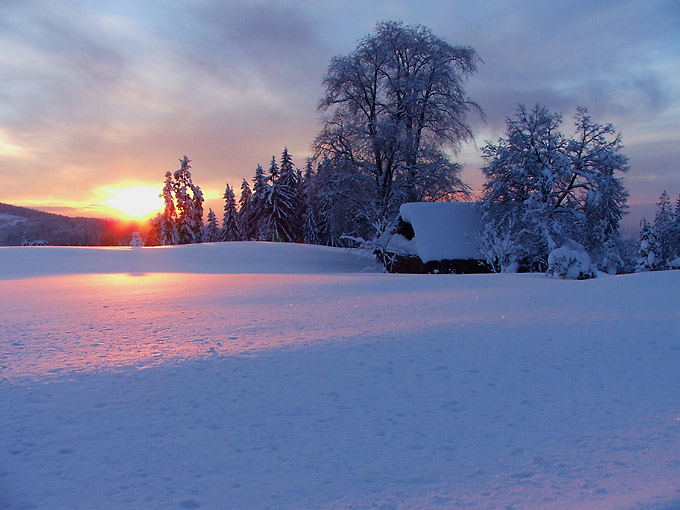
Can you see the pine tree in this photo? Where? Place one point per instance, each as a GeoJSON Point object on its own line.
{"type": "Point", "coordinates": [309, 173]}
{"type": "Point", "coordinates": [292, 205]}
{"type": "Point", "coordinates": [211, 232]}
{"type": "Point", "coordinates": [244, 210]}
{"type": "Point", "coordinates": [168, 221]}
{"type": "Point", "coordinates": [230, 223]}
{"type": "Point", "coordinates": [273, 170]}
{"type": "Point", "coordinates": [310, 227]}
{"type": "Point", "coordinates": [286, 162]}
{"type": "Point", "coordinates": [258, 209]}
{"type": "Point", "coordinates": [650, 250]}
{"type": "Point", "coordinates": [153, 235]}
{"type": "Point", "coordinates": [189, 205]}
{"type": "Point", "coordinates": [666, 231]}
{"type": "Point", "coordinates": [664, 213]}
{"type": "Point", "coordinates": [278, 219]}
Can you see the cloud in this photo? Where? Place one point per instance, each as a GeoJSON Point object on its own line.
{"type": "Point", "coordinates": [93, 93]}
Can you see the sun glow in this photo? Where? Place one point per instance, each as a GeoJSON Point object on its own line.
{"type": "Point", "coordinates": [136, 202]}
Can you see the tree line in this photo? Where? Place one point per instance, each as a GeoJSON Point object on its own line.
{"type": "Point", "coordinates": [284, 204]}
{"type": "Point", "coordinates": [393, 110]}
{"type": "Point", "coordinates": [660, 240]}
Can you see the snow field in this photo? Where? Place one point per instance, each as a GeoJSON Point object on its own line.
{"type": "Point", "coordinates": [338, 390]}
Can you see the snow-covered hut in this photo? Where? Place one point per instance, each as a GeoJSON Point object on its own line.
{"type": "Point", "coordinates": [436, 237]}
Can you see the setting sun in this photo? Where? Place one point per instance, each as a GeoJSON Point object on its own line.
{"type": "Point", "coordinates": [134, 201]}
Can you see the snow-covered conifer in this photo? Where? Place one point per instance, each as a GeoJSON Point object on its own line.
{"type": "Point", "coordinates": [153, 235]}
{"type": "Point", "coordinates": [273, 170]}
{"type": "Point", "coordinates": [290, 199]}
{"type": "Point", "coordinates": [309, 172]}
{"type": "Point", "coordinates": [244, 209]}
{"type": "Point", "coordinates": [168, 221]}
{"type": "Point", "coordinates": [650, 250]}
{"type": "Point", "coordinates": [278, 219]}
{"type": "Point", "coordinates": [287, 166]}
{"type": "Point", "coordinates": [667, 232]}
{"type": "Point", "coordinates": [211, 232]}
{"type": "Point", "coordinates": [189, 205]}
{"type": "Point", "coordinates": [230, 222]}
{"type": "Point", "coordinates": [310, 227]}
{"type": "Point", "coordinates": [256, 228]}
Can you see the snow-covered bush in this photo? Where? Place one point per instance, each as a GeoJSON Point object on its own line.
{"type": "Point", "coordinates": [571, 262]}
{"type": "Point", "coordinates": [136, 241]}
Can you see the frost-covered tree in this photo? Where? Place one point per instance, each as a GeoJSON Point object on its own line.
{"type": "Point", "coordinates": [544, 190]}
{"type": "Point", "coordinates": [287, 166]}
{"type": "Point", "coordinates": [153, 235]}
{"type": "Point", "coordinates": [650, 249]}
{"type": "Point", "coordinates": [189, 205]}
{"type": "Point", "coordinates": [344, 203]}
{"type": "Point", "coordinates": [182, 219]}
{"type": "Point", "coordinates": [596, 190]}
{"type": "Point", "coordinates": [310, 227]}
{"type": "Point", "coordinates": [289, 182]}
{"type": "Point", "coordinates": [211, 232]}
{"type": "Point", "coordinates": [665, 229]}
{"type": "Point", "coordinates": [279, 220]}
{"type": "Point", "coordinates": [660, 242]}
{"type": "Point", "coordinates": [273, 170]}
{"type": "Point", "coordinates": [255, 225]}
{"type": "Point", "coordinates": [230, 223]}
{"type": "Point", "coordinates": [167, 223]}
{"type": "Point", "coordinates": [392, 107]}
{"type": "Point", "coordinates": [244, 209]}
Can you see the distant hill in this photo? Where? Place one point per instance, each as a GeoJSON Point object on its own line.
{"type": "Point", "coordinates": [57, 230]}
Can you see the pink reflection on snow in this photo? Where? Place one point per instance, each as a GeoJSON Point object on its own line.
{"type": "Point", "coordinates": [92, 322]}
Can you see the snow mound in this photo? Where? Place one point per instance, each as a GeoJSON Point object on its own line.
{"type": "Point", "coordinates": [443, 230]}
{"type": "Point", "coordinates": [571, 262]}
{"type": "Point", "coordinates": [207, 258]}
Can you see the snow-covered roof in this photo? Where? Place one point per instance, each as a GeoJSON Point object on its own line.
{"type": "Point", "coordinates": [443, 230]}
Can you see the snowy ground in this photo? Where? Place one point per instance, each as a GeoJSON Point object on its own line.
{"type": "Point", "coordinates": [325, 389]}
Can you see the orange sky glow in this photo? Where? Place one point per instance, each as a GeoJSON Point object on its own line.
{"type": "Point", "coordinates": [100, 100]}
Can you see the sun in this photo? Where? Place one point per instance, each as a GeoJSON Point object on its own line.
{"type": "Point", "coordinates": [134, 202]}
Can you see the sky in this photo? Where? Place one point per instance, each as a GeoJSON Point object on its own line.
{"type": "Point", "coordinates": [96, 96]}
